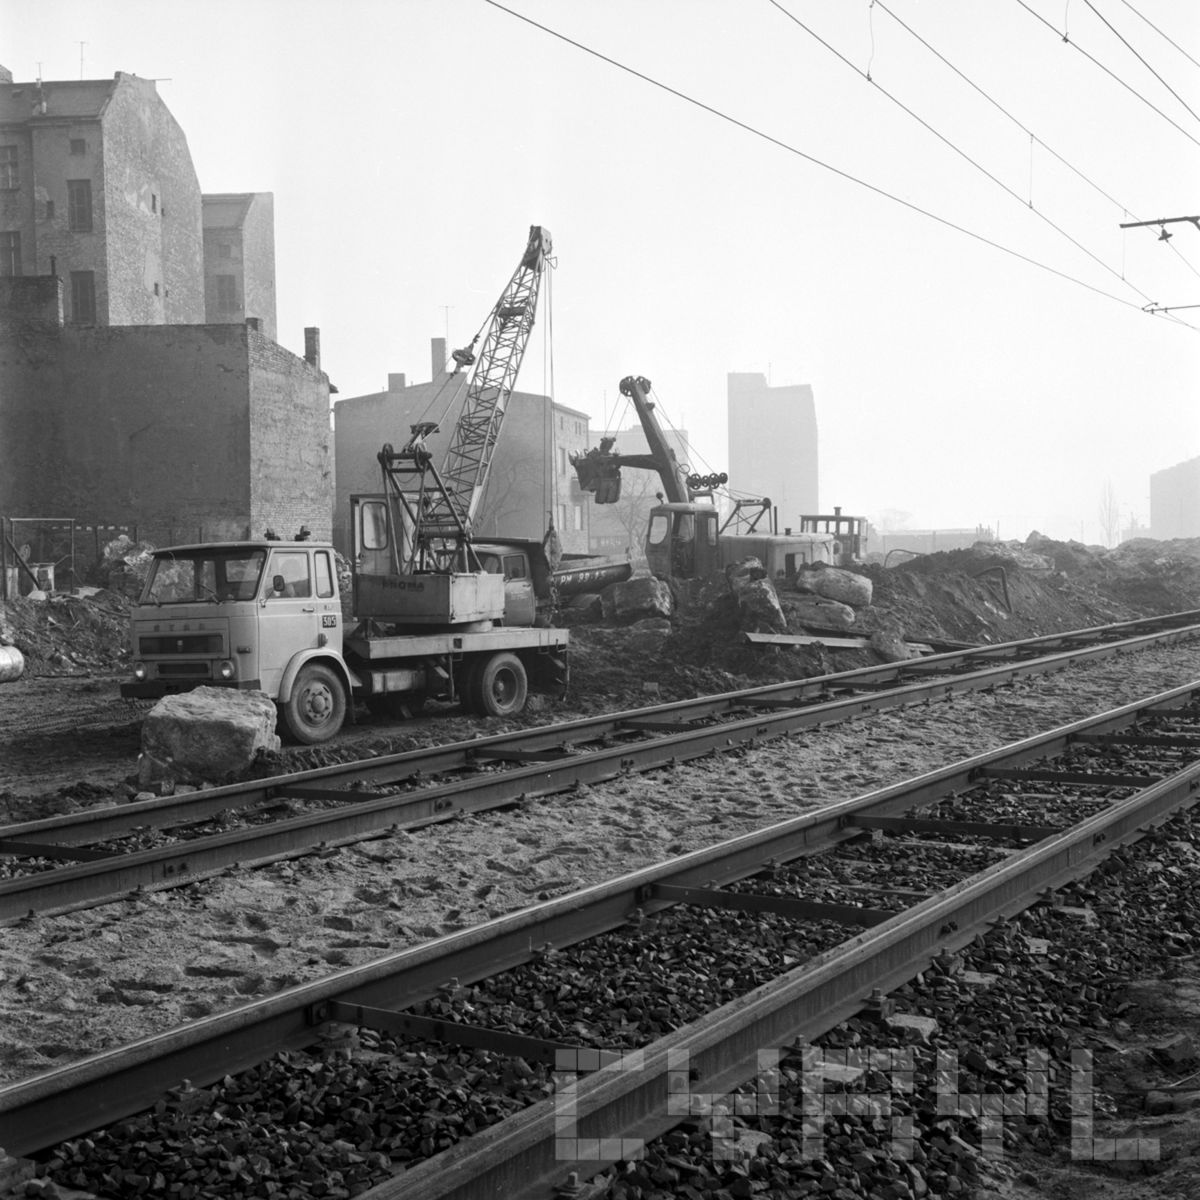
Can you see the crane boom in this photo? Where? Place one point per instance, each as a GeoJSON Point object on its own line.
{"type": "Point", "coordinates": [469, 457]}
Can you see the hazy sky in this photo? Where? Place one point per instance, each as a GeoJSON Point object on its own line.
{"type": "Point", "coordinates": [976, 344]}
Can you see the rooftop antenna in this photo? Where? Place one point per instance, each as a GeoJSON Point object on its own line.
{"type": "Point", "coordinates": [81, 46]}
{"type": "Point", "coordinates": [39, 78]}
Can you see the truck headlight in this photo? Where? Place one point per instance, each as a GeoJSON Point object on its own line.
{"type": "Point", "coordinates": [226, 670]}
{"type": "Point", "coordinates": [140, 672]}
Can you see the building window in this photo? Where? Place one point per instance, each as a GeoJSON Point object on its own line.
{"type": "Point", "coordinates": [153, 203]}
{"type": "Point", "coordinates": [78, 146]}
{"type": "Point", "coordinates": [10, 175]}
{"type": "Point", "coordinates": [227, 301]}
{"type": "Point", "coordinates": [49, 210]}
{"type": "Point", "coordinates": [577, 515]}
{"type": "Point", "coordinates": [10, 254]}
{"type": "Point", "coordinates": [563, 463]}
{"type": "Point", "coordinates": [79, 205]}
{"type": "Point", "coordinates": [83, 297]}
{"type": "Point", "coordinates": [156, 289]}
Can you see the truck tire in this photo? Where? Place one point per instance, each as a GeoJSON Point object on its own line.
{"type": "Point", "coordinates": [317, 706]}
{"type": "Point", "coordinates": [498, 686]}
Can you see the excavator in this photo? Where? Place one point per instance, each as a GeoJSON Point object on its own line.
{"type": "Point", "coordinates": [685, 537]}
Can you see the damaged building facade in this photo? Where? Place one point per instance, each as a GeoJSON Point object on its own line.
{"type": "Point", "coordinates": [138, 387]}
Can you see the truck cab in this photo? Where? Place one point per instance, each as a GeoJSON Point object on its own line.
{"type": "Point", "coordinates": [256, 615]}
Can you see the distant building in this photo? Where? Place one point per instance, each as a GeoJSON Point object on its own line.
{"type": "Point", "coordinates": [1175, 501]}
{"type": "Point", "coordinates": [97, 186]}
{"type": "Point", "coordinates": [531, 476]}
{"type": "Point", "coordinates": [773, 444]}
{"type": "Point", "coordinates": [239, 259]}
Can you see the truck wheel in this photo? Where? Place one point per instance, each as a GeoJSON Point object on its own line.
{"type": "Point", "coordinates": [498, 686]}
{"type": "Point", "coordinates": [317, 706]}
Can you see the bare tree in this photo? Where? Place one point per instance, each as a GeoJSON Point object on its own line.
{"type": "Point", "coordinates": [1110, 513]}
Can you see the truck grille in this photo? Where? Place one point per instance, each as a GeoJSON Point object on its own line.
{"type": "Point", "coordinates": [185, 643]}
{"type": "Point", "coordinates": [181, 670]}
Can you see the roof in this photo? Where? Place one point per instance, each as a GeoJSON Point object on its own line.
{"type": "Point", "coordinates": [83, 98]}
{"type": "Point", "coordinates": [225, 210]}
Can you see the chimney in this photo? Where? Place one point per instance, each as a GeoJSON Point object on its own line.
{"type": "Point", "coordinates": [312, 346]}
{"type": "Point", "coordinates": [437, 353]}
{"type": "Point", "coordinates": [396, 382]}
{"type": "Point", "coordinates": [256, 324]}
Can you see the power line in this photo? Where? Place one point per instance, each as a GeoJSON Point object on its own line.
{"type": "Point", "coordinates": [957, 149]}
{"type": "Point", "coordinates": [1140, 58]}
{"type": "Point", "coordinates": [1018, 123]}
{"type": "Point", "coordinates": [1111, 74]}
{"type": "Point", "coordinates": [1160, 32]}
{"type": "Point", "coordinates": [782, 145]}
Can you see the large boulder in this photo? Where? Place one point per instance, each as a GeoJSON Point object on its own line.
{"type": "Point", "coordinates": [759, 610]}
{"type": "Point", "coordinates": [636, 599]}
{"type": "Point", "coordinates": [824, 614]}
{"type": "Point", "coordinates": [835, 584]}
{"type": "Point", "coordinates": [208, 735]}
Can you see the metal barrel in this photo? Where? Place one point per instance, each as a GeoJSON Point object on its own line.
{"type": "Point", "coordinates": [12, 664]}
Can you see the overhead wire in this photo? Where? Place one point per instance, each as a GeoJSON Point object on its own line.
{"type": "Point", "coordinates": [1120, 37]}
{"type": "Point", "coordinates": [1160, 33]}
{"type": "Point", "coordinates": [1112, 74]}
{"type": "Point", "coordinates": [1026, 130]}
{"type": "Point", "coordinates": [957, 149]}
{"type": "Point", "coordinates": [778, 142]}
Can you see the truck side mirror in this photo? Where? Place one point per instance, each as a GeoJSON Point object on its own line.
{"type": "Point", "coordinates": [279, 584]}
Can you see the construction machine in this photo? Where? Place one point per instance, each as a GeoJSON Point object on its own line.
{"type": "Point", "coordinates": [686, 536]}
{"type": "Point", "coordinates": [434, 613]}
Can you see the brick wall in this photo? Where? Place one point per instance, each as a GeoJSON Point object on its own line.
{"type": "Point", "coordinates": [291, 473]}
{"type": "Point", "coordinates": [186, 431]}
{"type": "Point", "coordinates": [152, 202]}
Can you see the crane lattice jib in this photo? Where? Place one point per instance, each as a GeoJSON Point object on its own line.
{"type": "Point", "coordinates": [474, 441]}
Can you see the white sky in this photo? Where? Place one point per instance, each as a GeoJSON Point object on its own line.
{"type": "Point", "coordinates": [411, 143]}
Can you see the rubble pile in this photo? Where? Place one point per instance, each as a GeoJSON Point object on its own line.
{"type": "Point", "coordinates": [67, 633]}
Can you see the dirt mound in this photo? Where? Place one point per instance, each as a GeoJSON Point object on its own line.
{"type": "Point", "coordinates": [68, 634]}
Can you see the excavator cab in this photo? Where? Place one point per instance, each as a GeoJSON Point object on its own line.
{"type": "Point", "coordinates": [681, 540]}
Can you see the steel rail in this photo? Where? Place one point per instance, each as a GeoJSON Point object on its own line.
{"type": "Point", "coordinates": [99, 824]}
{"type": "Point", "coordinates": [109, 877]}
{"type": "Point", "coordinates": [74, 1099]}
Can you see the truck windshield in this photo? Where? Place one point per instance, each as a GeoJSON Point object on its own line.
{"type": "Point", "coordinates": [183, 577]}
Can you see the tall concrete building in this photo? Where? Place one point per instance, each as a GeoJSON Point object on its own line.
{"type": "Point", "coordinates": [97, 186]}
{"type": "Point", "coordinates": [239, 259]}
{"type": "Point", "coordinates": [773, 444]}
{"type": "Point", "coordinates": [1175, 501]}
{"type": "Point", "coordinates": [531, 475]}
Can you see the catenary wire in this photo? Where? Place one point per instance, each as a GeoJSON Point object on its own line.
{"type": "Point", "coordinates": [1160, 33]}
{"type": "Point", "coordinates": [879, 191]}
{"type": "Point", "coordinates": [1117, 34]}
{"type": "Point", "coordinates": [1023, 127]}
{"type": "Point", "coordinates": [1112, 74]}
{"type": "Point", "coordinates": [957, 149]}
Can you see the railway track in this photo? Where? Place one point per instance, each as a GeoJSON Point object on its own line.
{"type": "Point", "coordinates": [704, 960]}
{"type": "Point", "coordinates": [104, 854]}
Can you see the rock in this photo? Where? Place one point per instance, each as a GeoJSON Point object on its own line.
{"type": "Point", "coordinates": [758, 603]}
{"type": "Point", "coordinates": [206, 734]}
{"type": "Point", "coordinates": [836, 584]}
{"type": "Point", "coordinates": [825, 614]}
{"type": "Point", "coordinates": [636, 598]}
{"type": "Point", "coordinates": [891, 647]}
